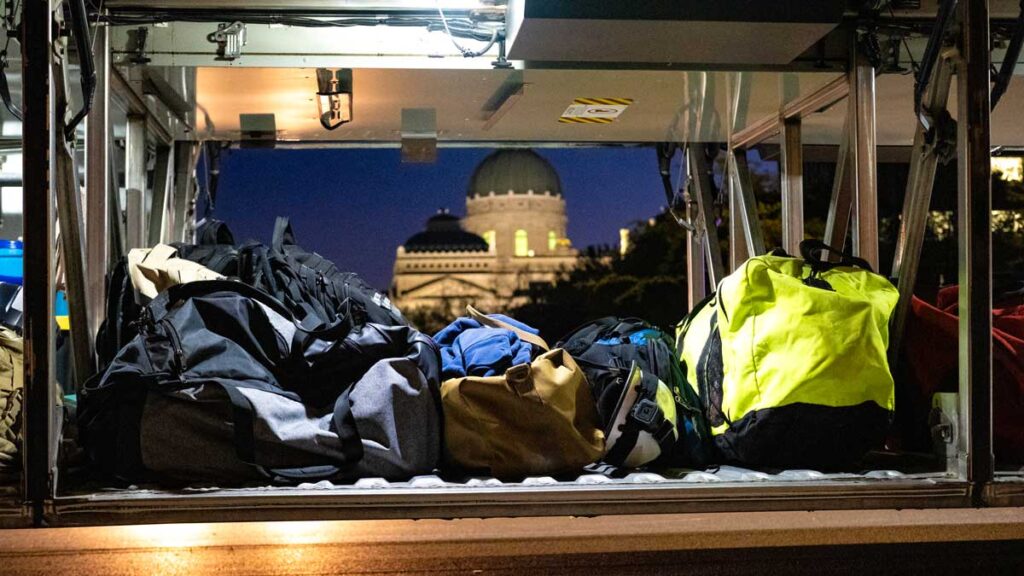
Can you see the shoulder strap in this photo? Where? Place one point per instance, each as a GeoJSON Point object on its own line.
{"type": "Point", "coordinates": [283, 234]}
{"type": "Point", "coordinates": [489, 322]}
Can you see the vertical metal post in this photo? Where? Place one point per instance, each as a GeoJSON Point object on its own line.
{"type": "Point", "coordinates": [792, 186]}
{"type": "Point", "coordinates": [700, 170]}
{"type": "Point", "coordinates": [974, 231]}
{"type": "Point", "coordinates": [97, 181]}
{"type": "Point", "coordinates": [184, 164]}
{"type": "Point", "coordinates": [837, 223]}
{"type": "Point", "coordinates": [864, 159]}
{"type": "Point", "coordinates": [917, 200]}
{"type": "Point", "coordinates": [739, 95]}
{"type": "Point", "coordinates": [748, 203]}
{"type": "Point", "coordinates": [38, 141]}
{"type": "Point", "coordinates": [738, 242]}
{"type": "Point", "coordinates": [135, 181]}
{"type": "Point", "coordinates": [162, 182]}
{"type": "Point", "coordinates": [695, 261]}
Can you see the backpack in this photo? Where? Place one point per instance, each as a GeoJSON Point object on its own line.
{"type": "Point", "coordinates": [331, 285]}
{"type": "Point", "coordinates": [618, 356]}
{"type": "Point", "coordinates": [224, 385]}
{"type": "Point", "coordinates": [118, 327]}
{"type": "Point", "coordinates": [789, 359]}
{"type": "Point", "coordinates": [214, 248]}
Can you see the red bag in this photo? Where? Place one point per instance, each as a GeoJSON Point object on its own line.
{"type": "Point", "coordinates": [930, 365]}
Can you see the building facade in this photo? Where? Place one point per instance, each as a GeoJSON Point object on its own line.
{"type": "Point", "coordinates": [513, 235]}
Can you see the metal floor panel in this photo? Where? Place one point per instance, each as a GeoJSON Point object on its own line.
{"type": "Point", "coordinates": [727, 489]}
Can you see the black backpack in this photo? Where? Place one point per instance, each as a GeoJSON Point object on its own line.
{"type": "Point", "coordinates": [308, 283]}
{"type": "Point", "coordinates": [605, 350]}
{"type": "Point", "coordinates": [118, 327]}
{"type": "Point", "coordinates": [222, 384]}
{"type": "Point", "coordinates": [214, 248]}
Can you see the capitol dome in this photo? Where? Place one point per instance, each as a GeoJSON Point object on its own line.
{"type": "Point", "coordinates": [444, 233]}
{"type": "Point", "coordinates": [514, 171]}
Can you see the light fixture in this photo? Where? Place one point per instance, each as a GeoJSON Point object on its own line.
{"type": "Point", "coordinates": [334, 96]}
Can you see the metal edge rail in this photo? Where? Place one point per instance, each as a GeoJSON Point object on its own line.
{"type": "Point", "coordinates": [477, 502]}
{"type": "Point", "coordinates": [769, 126]}
{"type": "Point", "coordinates": [119, 85]}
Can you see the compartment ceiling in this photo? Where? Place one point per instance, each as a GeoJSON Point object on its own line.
{"type": "Point", "coordinates": [667, 105]}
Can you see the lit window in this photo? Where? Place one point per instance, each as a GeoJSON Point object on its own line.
{"type": "Point", "coordinates": [1011, 168]}
{"type": "Point", "coordinates": [490, 237]}
{"type": "Point", "coordinates": [552, 241]}
{"type": "Point", "coordinates": [522, 244]}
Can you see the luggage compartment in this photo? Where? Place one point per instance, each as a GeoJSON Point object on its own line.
{"type": "Point", "coordinates": [171, 92]}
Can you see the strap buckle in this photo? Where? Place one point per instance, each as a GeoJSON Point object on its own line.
{"type": "Point", "coordinates": [645, 412]}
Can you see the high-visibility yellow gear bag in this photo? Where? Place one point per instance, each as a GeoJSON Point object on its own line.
{"type": "Point", "coordinates": [789, 360]}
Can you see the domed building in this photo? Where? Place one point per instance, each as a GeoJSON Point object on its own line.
{"type": "Point", "coordinates": [513, 235]}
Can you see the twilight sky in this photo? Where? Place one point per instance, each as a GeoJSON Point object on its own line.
{"type": "Point", "coordinates": [356, 207]}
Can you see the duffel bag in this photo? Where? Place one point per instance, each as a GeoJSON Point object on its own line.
{"type": "Point", "coordinates": [223, 385]}
{"type": "Point", "coordinates": [930, 365]}
{"type": "Point", "coordinates": [537, 418]}
{"type": "Point", "coordinates": [663, 422]}
{"type": "Point", "coordinates": [789, 359]}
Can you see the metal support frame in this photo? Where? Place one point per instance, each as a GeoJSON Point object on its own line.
{"type": "Point", "coordinates": [792, 172]}
{"type": "Point", "coordinates": [974, 231]}
{"type": "Point", "coordinates": [69, 217]}
{"type": "Point", "coordinates": [707, 232]}
{"type": "Point", "coordinates": [39, 142]}
{"type": "Point", "coordinates": [135, 182]}
{"type": "Point", "coordinates": [163, 182]}
{"type": "Point", "coordinates": [864, 160]}
{"type": "Point", "coordinates": [696, 288]}
{"type": "Point", "coordinates": [137, 106]}
{"type": "Point", "coordinates": [769, 126]}
{"type": "Point", "coordinates": [98, 181]}
{"type": "Point", "coordinates": [739, 245]}
{"type": "Point", "coordinates": [743, 193]}
{"type": "Point", "coordinates": [837, 223]}
{"type": "Point", "coordinates": [185, 155]}
{"type": "Point", "coordinates": [918, 197]}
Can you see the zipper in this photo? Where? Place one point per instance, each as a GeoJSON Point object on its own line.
{"type": "Point", "coordinates": [179, 352]}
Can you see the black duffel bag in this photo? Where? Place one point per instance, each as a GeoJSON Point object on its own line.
{"type": "Point", "coordinates": [223, 385]}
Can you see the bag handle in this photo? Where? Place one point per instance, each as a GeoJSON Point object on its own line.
{"type": "Point", "coordinates": [489, 322]}
{"type": "Point", "coordinates": [812, 250]}
{"type": "Point", "coordinates": [283, 234]}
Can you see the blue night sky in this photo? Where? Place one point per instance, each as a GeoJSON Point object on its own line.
{"type": "Point", "coordinates": [357, 206]}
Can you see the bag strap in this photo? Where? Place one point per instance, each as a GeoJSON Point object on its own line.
{"type": "Point", "coordinates": [490, 322]}
{"type": "Point", "coordinates": [282, 233]}
{"type": "Point", "coordinates": [644, 416]}
{"type": "Point", "coordinates": [812, 250]}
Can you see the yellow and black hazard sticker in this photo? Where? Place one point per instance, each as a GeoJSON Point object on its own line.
{"type": "Point", "coordinates": [595, 110]}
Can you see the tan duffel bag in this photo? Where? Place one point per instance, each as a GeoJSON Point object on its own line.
{"type": "Point", "coordinates": [538, 419]}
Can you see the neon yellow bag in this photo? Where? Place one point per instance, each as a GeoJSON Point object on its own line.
{"type": "Point", "coordinates": [789, 360]}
